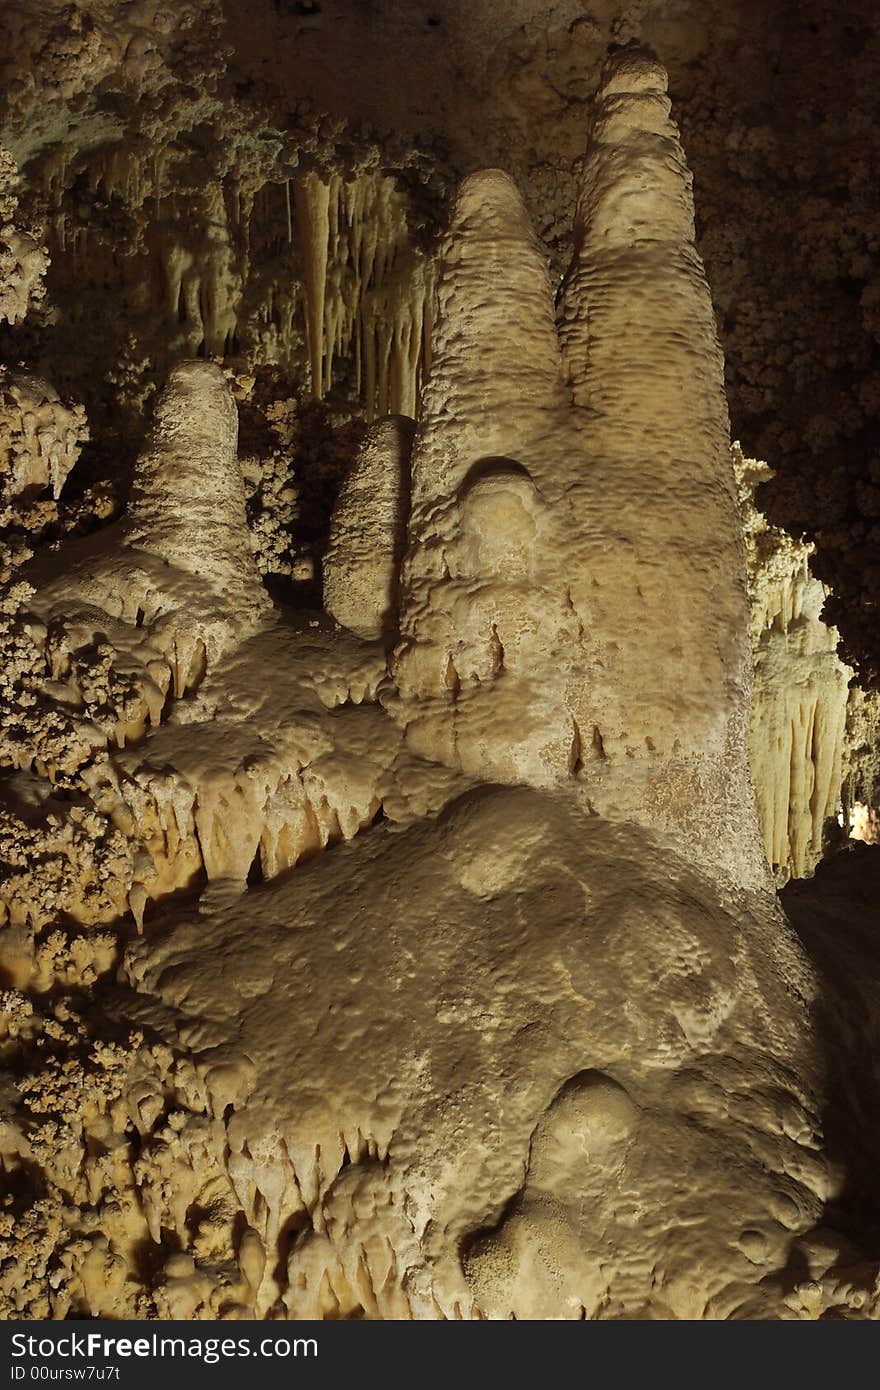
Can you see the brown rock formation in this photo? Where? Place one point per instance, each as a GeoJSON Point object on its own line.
{"type": "Point", "coordinates": [414, 956]}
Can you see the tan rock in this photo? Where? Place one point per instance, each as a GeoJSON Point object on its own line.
{"type": "Point", "coordinates": [363, 556]}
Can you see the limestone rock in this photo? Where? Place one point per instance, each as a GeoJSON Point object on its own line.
{"type": "Point", "coordinates": [23, 257]}
{"type": "Point", "coordinates": [574, 550]}
{"type": "Point", "coordinates": [647, 1001]}
{"type": "Point", "coordinates": [418, 957]}
{"type": "Point", "coordinates": [801, 690]}
{"type": "Point", "coordinates": [40, 440]}
{"type": "Point", "coordinates": [655, 518]}
{"type": "Point", "coordinates": [362, 560]}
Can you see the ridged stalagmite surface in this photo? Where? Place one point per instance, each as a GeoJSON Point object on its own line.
{"type": "Point", "coordinates": [657, 571]}
{"type": "Point", "coordinates": [479, 632]}
{"type": "Point", "coordinates": [187, 501]}
{"type": "Point", "coordinates": [164, 592]}
{"type": "Point", "coordinates": [495, 386]}
{"type": "Point", "coordinates": [573, 597]}
{"type": "Point", "coordinates": [180, 562]}
{"type": "Point", "coordinates": [367, 532]}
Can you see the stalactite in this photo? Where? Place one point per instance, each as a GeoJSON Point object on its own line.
{"type": "Point", "coordinates": [312, 202]}
{"type": "Point", "coordinates": [375, 298]}
{"type": "Point", "coordinates": [798, 732]}
{"type": "Point", "coordinates": [264, 266]}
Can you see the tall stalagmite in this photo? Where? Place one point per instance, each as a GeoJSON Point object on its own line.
{"type": "Point", "coordinates": [657, 570]}
{"type": "Point", "coordinates": [481, 634]}
{"type": "Point", "coordinates": [574, 605]}
{"type": "Point", "coordinates": [158, 597]}
{"type": "Point", "coordinates": [187, 503]}
{"type": "Point", "coordinates": [368, 530]}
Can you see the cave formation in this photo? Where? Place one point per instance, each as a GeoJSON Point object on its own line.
{"type": "Point", "coordinates": [440, 754]}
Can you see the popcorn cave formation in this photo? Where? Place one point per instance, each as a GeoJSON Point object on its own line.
{"type": "Point", "coordinates": [439, 770]}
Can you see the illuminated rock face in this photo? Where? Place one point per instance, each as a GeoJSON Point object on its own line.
{"type": "Point", "coordinates": [813, 743]}
{"type": "Point", "coordinates": [362, 562]}
{"type": "Point", "coordinates": [187, 498]}
{"type": "Point", "coordinates": [573, 606]}
{"type": "Point", "coordinates": [484, 623]}
{"type": "Point", "coordinates": [580, 1008]}
{"type": "Point", "coordinates": [40, 441]}
{"type": "Point", "coordinates": [473, 999]}
{"type": "Point", "coordinates": [798, 741]}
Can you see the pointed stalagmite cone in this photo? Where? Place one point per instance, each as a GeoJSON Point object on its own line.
{"type": "Point", "coordinates": [657, 567]}
{"type": "Point", "coordinates": [495, 386]}
{"type": "Point", "coordinates": [187, 503]}
{"type": "Point", "coordinates": [490, 453]}
{"type": "Point", "coordinates": [495, 395]}
{"type": "Point", "coordinates": [637, 324]}
{"type": "Point", "coordinates": [177, 570]}
{"type": "Point", "coordinates": [367, 531]}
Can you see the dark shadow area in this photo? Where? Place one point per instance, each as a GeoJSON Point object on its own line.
{"type": "Point", "coordinates": [491, 467]}
{"type": "Point", "coordinates": [836, 915]}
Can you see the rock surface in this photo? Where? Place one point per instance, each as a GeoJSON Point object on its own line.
{"type": "Point", "coordinates": [415, 955]}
